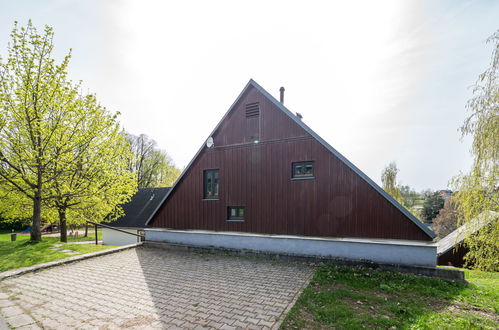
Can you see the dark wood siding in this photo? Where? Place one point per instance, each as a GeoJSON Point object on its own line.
{"type": "Point", "coordinates": [336, 203]}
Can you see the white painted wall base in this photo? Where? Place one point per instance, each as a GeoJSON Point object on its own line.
{"type": "Point", "coordinates": [417, 253]}
{"type": "Point", "coordinates": [113, 237]}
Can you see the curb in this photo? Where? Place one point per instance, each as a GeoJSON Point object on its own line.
{"type": "Point", "coordinates": [443, 273]}
{"type": "Point", "coordinates": [34, 268]}
{"type": "Point", "coordinates": [285, 313]}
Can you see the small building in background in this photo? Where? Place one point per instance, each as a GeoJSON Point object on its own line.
{"type": "Point", "coordinates": [136, 213]}
{"type": "Point", "coordinates": [452, 249]}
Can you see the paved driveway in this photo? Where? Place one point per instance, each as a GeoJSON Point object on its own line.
{"type": "Point", "coordinates": [154, 288]}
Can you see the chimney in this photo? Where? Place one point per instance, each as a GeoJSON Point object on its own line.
{"type": "Point", "coordinates": [282, 94]}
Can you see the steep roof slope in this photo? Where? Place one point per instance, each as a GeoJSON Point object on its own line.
{"type": "Point", "coordinates": [140, 208]}
{"type": "Point", "coordinates": [300, 123]}
{"type": "Point", "coordinates": [458, 235]}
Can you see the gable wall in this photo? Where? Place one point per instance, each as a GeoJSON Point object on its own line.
{"type": "Point", "coordinates": [337, 203]}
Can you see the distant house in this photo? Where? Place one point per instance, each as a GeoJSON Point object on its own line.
{"type": "Point", "coordinates": [136, 213]}
{"type": "Point", "coordinates": [265, 181]}
{"type": "Point", "coordinates": [451, 249]}
{"type": "Point", "coordinates": [445, 193]}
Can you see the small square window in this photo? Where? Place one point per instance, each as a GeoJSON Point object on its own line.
{"type": "Point", "coordinates": [235, 213]}
{"type": "Point", "coordinates": [302, 170]}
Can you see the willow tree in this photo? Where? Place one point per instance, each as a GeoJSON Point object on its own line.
{"type": "Point", "coordinates": [478, 190]}
{"type": "Point", "coordinates": [389, 181]}
{"type": "Point", "coordinates": [36, 99]}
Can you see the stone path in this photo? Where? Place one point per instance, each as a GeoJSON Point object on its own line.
{"type": "Point", "coordinates": [58, 247]}
{"type": "Point", "coordinates": [148, 288]}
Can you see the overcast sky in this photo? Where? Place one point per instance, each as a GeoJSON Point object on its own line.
{"type": "Point", "coordinates": [381, 81]}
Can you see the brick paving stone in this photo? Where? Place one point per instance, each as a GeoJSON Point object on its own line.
{"type": "Point", "coordinates": [5, 303]}
{"type": "Point", "coordinates": [147, 288]}
{"type": "Point", "coordinates": [11, 311]}
{"type": "Point", "coordinates": [29, 327]}
{"type": "Point", "coordinates": [19, 320]}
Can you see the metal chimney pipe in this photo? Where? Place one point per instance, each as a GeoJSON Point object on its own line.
{"type": "Point", "coordinates": [282, 94]}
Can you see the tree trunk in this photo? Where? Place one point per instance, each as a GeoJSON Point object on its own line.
{"type": "Point", "coordinates": [63, 224]}
{"type": "Point", "coordinates": [36, 232]}
{"type": "Point", "coordinates": [86, 229]}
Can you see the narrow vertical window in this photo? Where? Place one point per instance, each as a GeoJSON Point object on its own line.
{"type": "Point", "coordinates": [211, 186]}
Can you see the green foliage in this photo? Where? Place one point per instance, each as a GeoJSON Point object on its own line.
{"type": "Point", "coordinates": [389, 181]}
{"type": "Point", "coordinates": [36, 101]}
{"type": "Point", "coordinates": [410, 197]}
{"type": "Point", "coordinates": [62, 155]}
{"type": "Point", "coordinates": [153, 166]}
{"type": "Point", "coordinates": [478, 190]}
{"type": "Point", "coordinates": [432, 205]}
{"type": "Point", "coordinates": [13, 224]}
{"type": "Point", "coordinates": [93, 180]}
{"type": "Point", "coordinates": [340, 297]}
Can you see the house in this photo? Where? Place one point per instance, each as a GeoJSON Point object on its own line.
{"type": "Point", "coordinates": [445, 193]}
{"type": "Point", "coordinates": [265, 181]}
{"type": "Point", "coordinates": [451, 249]}
{"type": "Point", "coordinates": [136, 212]}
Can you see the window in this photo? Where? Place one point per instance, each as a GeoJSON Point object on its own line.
{"type": "Point", "coordinates": [302, 170]}
{"type": "Point", "coordinates": [235, 213]}
{"type": "Point", "coordinates": [211, 184]}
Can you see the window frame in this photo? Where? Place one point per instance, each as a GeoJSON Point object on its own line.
{"type": "Point", "coordinates": [302, 163]}
{"type": "Point", "coordinates": [238, 217]}
{"type": "Point", "coordinates": [205, 184]}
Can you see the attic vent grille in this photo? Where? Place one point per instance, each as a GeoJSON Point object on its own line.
{"type": "Point", "coordinates": [252, 110]}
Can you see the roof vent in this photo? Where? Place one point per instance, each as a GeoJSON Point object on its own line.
{"type": "Point", "coordinates": [281, 90]}
{"type": "Point", "coordinates": [252, 110]}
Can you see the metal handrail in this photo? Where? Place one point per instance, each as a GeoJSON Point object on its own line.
{"type": "Point", "coordinates": [113, 228]}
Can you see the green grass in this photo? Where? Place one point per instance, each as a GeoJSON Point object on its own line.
{"type": "Point", "coordinates": [23, 253]}
{"type": "Point", "coordinates": [354, 297]}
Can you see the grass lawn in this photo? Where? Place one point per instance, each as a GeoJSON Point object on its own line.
{"type": "Point", "coordinates": [355, 297]}
{"type": "Point", "coordinates": [23, 253]}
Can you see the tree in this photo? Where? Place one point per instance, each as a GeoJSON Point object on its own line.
{"type": "Point", "coordinates": [409, 196]}
{"type": "Point", "coordinates": [478, 189]}
{"type": "Point", "coordinates": [154, 167]}
{"type": "Point", "coordinates": [36, 99]}
{"type": "Point", "coordinates": [93, 180]}
{"type": "Point", "coordinates": [447, 218]}
{"type": "Point", "coordinates": [432, 205]}
{"type": "Point", "coordinates": [389, 181]}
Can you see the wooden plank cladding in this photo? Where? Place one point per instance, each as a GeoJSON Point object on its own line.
{"type": "Point", "coordinates": [255, 160]}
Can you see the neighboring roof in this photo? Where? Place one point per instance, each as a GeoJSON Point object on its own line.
{"type": "Point", "coordinates": [139, 209]}
{"type": "Point", "coordinates": [300, 123]}
{"type": "Point", "coordinates": [458, 235]}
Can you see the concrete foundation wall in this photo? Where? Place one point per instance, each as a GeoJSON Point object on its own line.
{"type": "Point", "coordinates": [377, 250]}
{"type": "Point", "coordinates": [113, 237]}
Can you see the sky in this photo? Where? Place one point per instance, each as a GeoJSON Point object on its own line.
{"type": "Point", "coordinates": [381, 81]}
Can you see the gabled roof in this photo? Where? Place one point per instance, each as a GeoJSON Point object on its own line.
{"type": "Point", "coordinates": [140, 208]}
{"type": "Point", "coordinates": [300, 123]}
{"type": "Point", "coordinates": [458, 235]}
